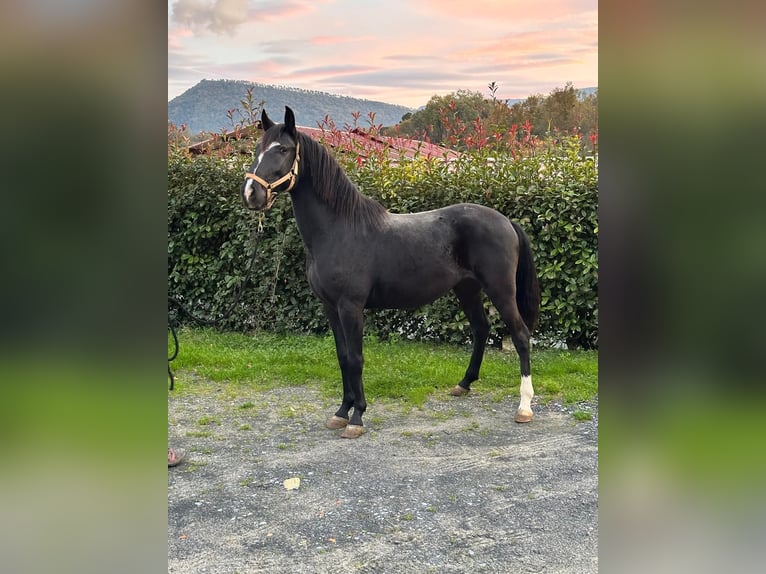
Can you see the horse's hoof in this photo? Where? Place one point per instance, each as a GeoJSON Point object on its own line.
{"type": "Point", "coordinates": [459, 391]}
{"type": "Point", "coordinates": [336, 422]}
{"type": "Point", "coordinates": [352, 431]}
{"type": "Point", "coordinates": [523, 416]}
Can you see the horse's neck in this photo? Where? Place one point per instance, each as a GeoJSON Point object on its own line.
{"type": "Point", "coordinates": [317, 222]}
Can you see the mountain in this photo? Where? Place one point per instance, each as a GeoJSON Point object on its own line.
{"type": "Point", "coordinates": [204, 106]}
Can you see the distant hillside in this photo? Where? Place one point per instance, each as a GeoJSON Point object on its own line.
{"type": "Point", "coordinates": [204, 106]}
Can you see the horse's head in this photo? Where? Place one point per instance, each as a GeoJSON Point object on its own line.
{"type": "Point", "coordinates": [275, 168]}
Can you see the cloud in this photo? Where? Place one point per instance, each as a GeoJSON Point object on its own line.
{"type": "Point", "coordinates": [270, 10]}
{"type": "Point", "coordinates": [533, 48]}
{"type": "Point", "coordinates": [336, 70]}
{"type": "Point", "coordinates": [420, 78]}
{"type": "Point", "coordinates": [412, 58]}
{"type": "Point", "coordinates": [268, 71]}
{"type": "Point", "coordinates": [176, 37]}
{"type": "Point", "coordinates": [511, 11]}
{"type": "Point", "coordinates": [217, 16]}
{"type": "Point", "coordinates": [332, 40]}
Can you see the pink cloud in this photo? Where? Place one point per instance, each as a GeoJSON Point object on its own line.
{"type": "Point", "coordinates": [332, 40]}
{"type": "Point", "coordinates": [537, 46]}
{"type": "Point", "coordinates": [176, 36]}
{"type": "Point", "coordinates": [263, 71]}
{"type": "Point", "coordinates": [324, 71]}
{"type": "Point", "coordinates": [512, 11]}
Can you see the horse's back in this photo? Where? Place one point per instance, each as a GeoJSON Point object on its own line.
{"type": "Point", "coordinates": [460, 217]}
{"type": "Point", "coordinates": [481, 232]}
{"type": "Point", "coordinates": [478, 217]}
{"type": "Point", "coordinates": [461, 232]}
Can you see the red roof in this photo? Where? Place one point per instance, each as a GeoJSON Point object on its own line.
{"type": "Point", "coordinates": [361, 142]}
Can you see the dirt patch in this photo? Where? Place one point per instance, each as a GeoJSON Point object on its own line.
{"type": "Point", "coordinates": [456, 486]}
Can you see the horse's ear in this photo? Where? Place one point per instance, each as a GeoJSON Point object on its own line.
{"type": "Point", "coordinates": [290, 121]}
{"type": "Point", "coordinates": [266, 121]}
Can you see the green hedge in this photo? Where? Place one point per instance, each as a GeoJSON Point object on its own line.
{"type": "Point", "coordinates": [552, 195]}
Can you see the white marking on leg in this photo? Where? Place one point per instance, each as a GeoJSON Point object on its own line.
{"type": "Point", "coordinates": [527, 392]}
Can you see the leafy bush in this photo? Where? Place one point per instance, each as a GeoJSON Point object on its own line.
{"type": "Point", "coordinates": [552, 192]}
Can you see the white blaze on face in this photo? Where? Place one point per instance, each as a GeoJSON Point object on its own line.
{"type": "Point", "coordinates": [248, 188]}
{"type": "Point", "coordinates": [263, 153]}
{"type": "Point", "coordinates": [249, 182]}
{"type": "Point", "coordinates": [527, 392]}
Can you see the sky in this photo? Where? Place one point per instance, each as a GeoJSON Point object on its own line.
{"type": "Point", "coordinates": [394, 51]}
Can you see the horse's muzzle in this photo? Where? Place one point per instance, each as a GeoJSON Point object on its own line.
{"type": "Point", "coordinates": [256, 197]}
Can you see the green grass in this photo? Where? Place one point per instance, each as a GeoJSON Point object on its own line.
{"type": "Point", "coordinates": [582, 415]}
{"type": "Point", "coordinates": [204, 421]}
{"type": "Point", "coordinates": [393, 370]}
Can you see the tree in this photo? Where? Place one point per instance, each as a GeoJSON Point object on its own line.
{"type": "Point", "coordinates": [465, 118]}
{"type": "Point", "coordinates": [461, 107]}
{"type": "Point", "coordinates": [586, 113]}
{"type": "Point", "coordinates": [530, 110]}
{"type": "Point", "coordinates": [559, 109]}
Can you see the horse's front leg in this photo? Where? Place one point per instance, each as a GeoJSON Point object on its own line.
{"type": "Point", "coordinates": [340, 419]}
{"type": "Point", "coordinates": [352, 322]}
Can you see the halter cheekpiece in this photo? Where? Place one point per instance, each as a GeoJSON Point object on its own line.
{"type": "Point", "coordinates": [292, 175]}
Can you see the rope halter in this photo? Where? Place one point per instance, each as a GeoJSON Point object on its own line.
{"type": "Point", "coordinates": [291, 175]}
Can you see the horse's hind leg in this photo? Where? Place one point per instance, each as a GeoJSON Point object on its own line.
{"type": "Point", "coordinates": [505, 303]}
{"type": "Point", "coordinates": [469, 295]}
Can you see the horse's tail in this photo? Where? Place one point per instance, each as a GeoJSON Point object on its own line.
{"type": "Point", "coordinates": [527, 285]}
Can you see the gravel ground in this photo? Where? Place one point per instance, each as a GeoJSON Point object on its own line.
{"type": "Point", "coordinates": [456, 486]}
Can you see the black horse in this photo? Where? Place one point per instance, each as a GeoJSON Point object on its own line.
{"type": "Point", "coordinates": [358, 255]}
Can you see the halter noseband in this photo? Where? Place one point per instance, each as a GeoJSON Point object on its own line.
{"type": "Point", "coordinates": [292, 175]}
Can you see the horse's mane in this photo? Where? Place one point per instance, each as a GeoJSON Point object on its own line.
{"type": "Point", "coordinates": [333, 186]}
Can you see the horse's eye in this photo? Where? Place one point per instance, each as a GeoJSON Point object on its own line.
{"type": "Point", "coordinates": [282, 149]}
